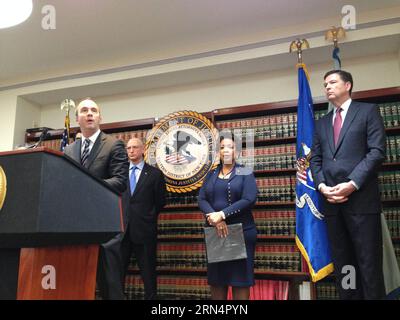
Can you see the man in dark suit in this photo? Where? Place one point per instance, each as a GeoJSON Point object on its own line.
{"type": "Point", "coordinates": [105, 158]}
{"type": "Point", "coordinates": [348, 149]}
{"type": "Point", "coordinates": [143, 200]}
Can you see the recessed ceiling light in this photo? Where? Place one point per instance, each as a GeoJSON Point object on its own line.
{"type": "Point", "coordinates": [13, 12]}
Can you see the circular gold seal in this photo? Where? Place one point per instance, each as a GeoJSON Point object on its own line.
{"type": "Point", "coordinates": [183, 146]}
{"type": "Point", "coordinates": [3, 187]}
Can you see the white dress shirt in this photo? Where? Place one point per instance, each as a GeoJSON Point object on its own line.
{"type": "Point", "coordinates": [345, 107]}
{"type": "Point", "coordinates": [92, 139]}
{"type": "Point", "coordinates": [138, 171]}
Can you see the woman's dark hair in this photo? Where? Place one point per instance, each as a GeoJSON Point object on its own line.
{"type": "Point", "coordinates": [229, 135]}
{"type": "Point", "coordinates": [237, 141]}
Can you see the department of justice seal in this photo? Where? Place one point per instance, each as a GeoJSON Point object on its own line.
{"type": "Point", "coordinates": [183, 146]}
{"type": "Point", "coordinates": [3, 187]}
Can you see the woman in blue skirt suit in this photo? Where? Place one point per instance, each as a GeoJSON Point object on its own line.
{"type": "Point", "coordinates": [226, 197]}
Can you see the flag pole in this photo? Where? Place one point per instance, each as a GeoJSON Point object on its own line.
{"type": "Point", "coordinates": [66, 106]}
{"type": "Point", "coordinates": [333, 35]}
{"type": "Point", "coordinates": [311, 233]}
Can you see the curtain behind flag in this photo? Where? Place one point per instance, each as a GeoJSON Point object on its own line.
{"type": "Point", "coordinates": [311, 234]}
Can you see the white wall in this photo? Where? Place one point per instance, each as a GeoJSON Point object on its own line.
{"type": "Point", "coordinates": [371, 72]}
{"type": "Point", "coordinates": [27, 116]}
{"type": "Point", "coordinates": [7, 120]}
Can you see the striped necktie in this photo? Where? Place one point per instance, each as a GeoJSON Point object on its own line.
{"type": "Point", "coordinates": [85, 153]}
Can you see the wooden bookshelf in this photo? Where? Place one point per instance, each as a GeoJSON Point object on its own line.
{"type": "Point", "coordinates": [220, 116]}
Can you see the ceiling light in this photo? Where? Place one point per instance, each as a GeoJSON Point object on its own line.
{"type": "Point", "coordinates": [13, 12]}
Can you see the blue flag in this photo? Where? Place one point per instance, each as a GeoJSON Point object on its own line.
{"type": "Point", "coordinates": [311, 234]}
{"type": "Point", "coordinates": [337, 64]}
{"type": "Point", "coordinates": [65, 136]}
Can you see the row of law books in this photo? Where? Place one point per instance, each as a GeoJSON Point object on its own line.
{"type": "Point", "coordinates": [178, 256]}
{"type": "Point", "coordinates": [280, 189]}
{"type": "Point", "coordinates": [284, 156]}
{"type": "Point", "coordinates": [392, 216]}
{"type": "Point", "coordinates": [269, 158]}
{"type": "Point", "coordinates": [127, 135]}
{"type": "Point", "coordinates": [197, 288]}
{"type": "Point", "coordinates": [269, 222]}
{"type": "Point", "coordinates": [169, 287]}
{"type": "Point", "coordinates": [392, 149]}
{"type": "Point", "coordinates": [390, 113]}
{"type": "Point", "coordinates": [389, 185]}
{"type": "Point", "coordinates": [326, 291]}
{"type": "Point", "coordinates": [181, 256]}
{"type": "Point", "coordinates": [176, 199]}
{"type": "Point", "coordinates": [172, 224]}
{"type": "Point", "coordinates": [182, 223]}
{"type": "Point", "coordinates": [276, 189]}
{"type": "Point", "coordinates": [278, 257]}
{"type": "Point", "coordinates": [262, 128]}
{"type": "Point", "coordinates": [275, 222]}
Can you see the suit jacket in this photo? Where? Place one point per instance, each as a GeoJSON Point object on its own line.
{"type": "Point", "coordinates": [107, 160]}
{"type": "Point", "coordinates": [142, 208]}
{"type": "Point", "coordinates": [358, 156]}
{"type": "Point", "coordinates": [242, 195]}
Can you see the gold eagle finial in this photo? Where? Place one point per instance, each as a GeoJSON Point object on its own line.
{"type": "Point", "coordinates": [298, 46]}
{"type": "Point", "coordinates": [334, 34]}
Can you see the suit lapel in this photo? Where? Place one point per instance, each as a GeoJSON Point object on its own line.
{"type": "Point", "coordinates": [76, 151]}
{"type": "Point", "coordinates": [235, 172]}
{"type": "Point", "coordinates": [98, 145]}
{"type": "Point", "coordinates": [329, 131]}
{"type": "Point", "coordinates": [143, 176]}
{"type": "Point", "coordinates": [351, 113]}
{"type": "Point", "coordinates": [213, 179]}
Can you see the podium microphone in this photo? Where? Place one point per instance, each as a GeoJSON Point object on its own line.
{"type": "Point", "coordinates": [43, 136]}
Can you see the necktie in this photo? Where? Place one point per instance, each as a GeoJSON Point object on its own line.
{"type": "Point", "coordinates": [337, 125]}
{"type": "Point", "coordinates": [132, 180]}
{"type": "Point", "coordinates": [85, 153]}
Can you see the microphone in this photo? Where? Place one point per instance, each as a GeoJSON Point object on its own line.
{"type": "Point", "coordinates": [45, 134]}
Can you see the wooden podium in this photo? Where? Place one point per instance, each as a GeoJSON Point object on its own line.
{"type": "Point", "coordinates": [53, 218]}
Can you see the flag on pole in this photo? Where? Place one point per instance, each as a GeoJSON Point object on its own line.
{"type": "Point", "coordinates": [337, 65]}
{"type": "Point", "coordinates": [65, 136]}
{"type": "Point", "coordinates": [311, 234]}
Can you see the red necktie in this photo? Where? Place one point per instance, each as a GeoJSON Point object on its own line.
{"type": "Point", "coordinates": [337, 125]}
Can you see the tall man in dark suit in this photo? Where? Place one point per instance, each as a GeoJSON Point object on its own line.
{"type": "Point", "coordinates": [106, 158]}
{"type": "Point", "coordinates": [348, 149]}
{"type": "Point", "coordinates": [144, 199]}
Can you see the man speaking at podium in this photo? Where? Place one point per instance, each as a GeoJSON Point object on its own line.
{"type": "Point", "coordinates": [105, 158]}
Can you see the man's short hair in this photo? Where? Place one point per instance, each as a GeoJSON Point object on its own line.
{"type": "Point", "coordinates": [139, 139]}
{"type": "Point", "coordinates": [77, 107]}
{"type": "Point", "coordinates": [344, 75]}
